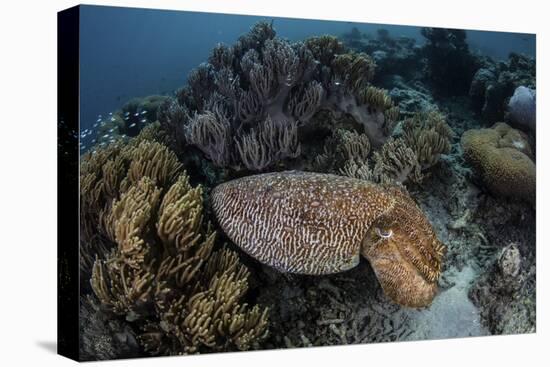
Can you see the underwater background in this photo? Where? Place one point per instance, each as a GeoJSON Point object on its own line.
{"type": "Point", "coordinates": [442, 117]}
{"type": "Point", "coordinates": [128, 52]}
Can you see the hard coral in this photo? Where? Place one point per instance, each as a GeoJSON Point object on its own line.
{"type": "Point", "coordinates": [158, 269]}
{"type": "Point", "coordinates": [312, 223]}
{"type": "Point", "coordinates": [523, 107]}
{"type": "Point", "coordinates": [502, 157]}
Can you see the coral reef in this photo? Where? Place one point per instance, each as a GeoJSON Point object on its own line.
{"type": "Point", "coordinates": [160, 279]}
{"type": "Point", "coordinates": [396, 162]}
{"type": "Point", "coordinates": [411, 97]}
{"type": "Point", "coordinates": [244, 107]}
{"type": "Point", "coordinates": [495, 82]}
{"type": "Point", "coordinates": [523, 108]}
{"type": "Point", "coordinates": [428, 135]}
{"type": "Point", "coordinates": [423, 139]}
{"type": "Point", "coordinates": [103, 337]}
{"type": "Point", "coordinates": [503, 158]}
{"type": "Point", "coordinates": [320, 224]}
{"type": "Point", "coordinates": [156, 267]}
{"type": "Point", "coordinates": [393, 55]}
{"type": "Point", "coordinates": [501, 293]}
{"type": "Point", "coordinates": [451, 66]}
{"type": "Point", "coordinates": [134, 115]}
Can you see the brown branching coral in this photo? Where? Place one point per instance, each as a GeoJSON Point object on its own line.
{"type": "Point", "coordinates": [502, 157]}
{"type": "Point", "coordinates": [428, 135]}
{"type": "Point", "coordinates": [353, 70]}
{"type": "Point", "coordinates": [395, 162]}
{"type": "Point", "coordinates": [153, 160]}
{"type": "Point", "coordinates": [346, 146]}
{"type": "Point", "coordinates": [325, 48]}
{"type": "Point", "coordinates": [161, 273]}
{"type": "Point", "coordinates": [348, 153]}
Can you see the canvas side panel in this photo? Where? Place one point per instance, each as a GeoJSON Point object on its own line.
{"type": "Point", "coordinates": [67, 182]}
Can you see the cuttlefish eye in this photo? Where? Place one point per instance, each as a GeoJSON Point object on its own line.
{"type": "Point", "coordinates": [382, 233]}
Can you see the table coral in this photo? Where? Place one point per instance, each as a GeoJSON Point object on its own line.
{"type": "Point", "coordinates": [502, 157]}
{"type": "Point", "coordinates": [158, 269]}
{"type": "Point", "coordinates": [312, 223]}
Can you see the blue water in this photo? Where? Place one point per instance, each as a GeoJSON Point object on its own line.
{"type": "Point", "coordinates": [127, 52]}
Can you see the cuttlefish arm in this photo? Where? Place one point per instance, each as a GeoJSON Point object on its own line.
{"type": "Point", "coordinates": [405, 253]}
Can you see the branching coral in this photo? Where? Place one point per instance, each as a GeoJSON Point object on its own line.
{"type": "Point", "coordinates": [325, 48]}
{"type": "Point", "coordinates": [502, 157]}
{"type": "Point", "coordinates": [428, 135]}
{"type": "Point", "coordinates": [348, 153]}
{"type": "Point", "coordinates": [396, 163]}
{"type": "Point", "coordinates": [160, 271]}
{"type": "Point", "coordinates": [211, 133]}
{"type": "Point", "coordinates": [271, 142]}
{"type": "Point", "coordinates": [360, 170]}
{"type": "Point", "coordinates": [264, 78]}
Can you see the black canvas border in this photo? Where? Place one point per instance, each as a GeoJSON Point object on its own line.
{"type": "Point", "coordinates": [68, 57]}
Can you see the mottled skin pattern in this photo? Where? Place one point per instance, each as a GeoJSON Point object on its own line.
{"type": "Point", "coordinates": [313, 223]}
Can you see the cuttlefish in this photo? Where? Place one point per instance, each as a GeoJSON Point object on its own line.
{"type": "Point", "coordinates": [313, 223]}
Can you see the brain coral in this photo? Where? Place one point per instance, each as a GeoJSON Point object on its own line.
{"type": "Point", "coordinates": [312, 223]}
{"type": "Point", "coordinates": [503, 158]}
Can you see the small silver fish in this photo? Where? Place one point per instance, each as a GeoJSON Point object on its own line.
{"type": "Point", "coordinates": [113, 119]}
{"type": "Point", "coordinates": [132, 125]}
{"type": "Point", "coordinates": [95, 125]}
{"type": "Point", "coordinates": [98, 120]}
{"type": "Point", "coordinates": [136, 114]}
{"type": "Point", "coordinates": [106, 135]}
{"type": "Point", "coordinates": [127, 113]}
{"type": "Point", "coordinates": [143, 121]}
{"type": "Point", "coordinates": [143, 112]}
